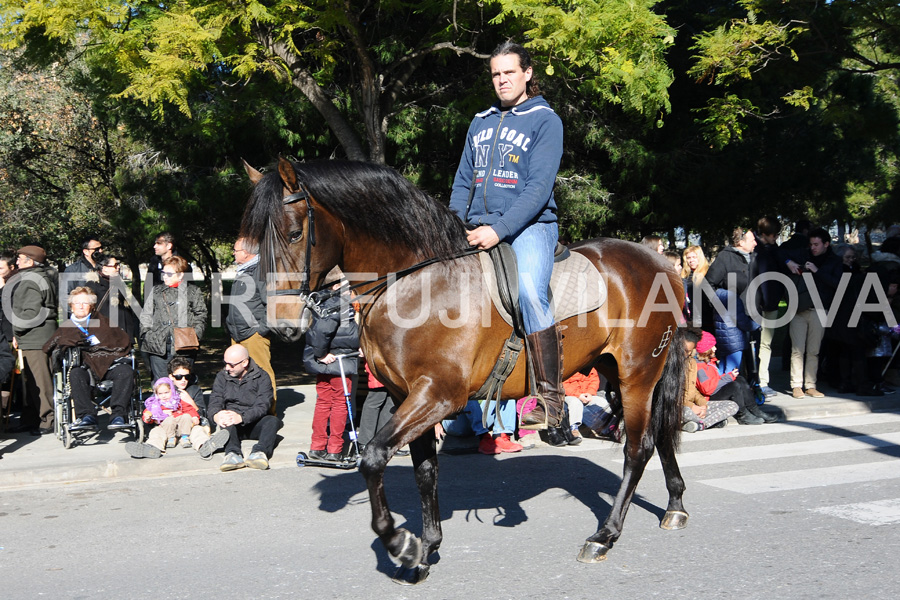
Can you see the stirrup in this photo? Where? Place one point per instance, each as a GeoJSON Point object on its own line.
{"type": "Point", "coordinates": [538, 425]}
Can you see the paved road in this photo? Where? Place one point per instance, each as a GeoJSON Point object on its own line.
{"type": "Point", "coordinates": [804, 509]}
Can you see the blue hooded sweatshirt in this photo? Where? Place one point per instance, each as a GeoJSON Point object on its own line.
{"type": "Point", "coordinates": [517, 153]}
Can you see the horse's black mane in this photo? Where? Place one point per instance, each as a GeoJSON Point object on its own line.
{"type": "Point", "coordinates": [365, 197]}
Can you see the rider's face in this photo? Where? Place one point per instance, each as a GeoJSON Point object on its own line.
{"type": "Point", "coordinates": [509, 79]}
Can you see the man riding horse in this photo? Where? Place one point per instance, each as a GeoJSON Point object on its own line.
{"type": "Point", "coordinates": [510, 160]}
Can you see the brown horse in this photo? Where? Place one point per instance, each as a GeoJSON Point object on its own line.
{"type": "Point", "coordinates": [431, 335]}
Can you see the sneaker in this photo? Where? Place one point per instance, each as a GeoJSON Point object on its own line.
{"type": "Point", "coordinates": [720, 425]}
{"type": "Point", "coordinates": [797, 393]}
{"type": "Point", "coordinates": [504, 444]}
{"type": "Point", "coordinates": [172, 442]}
{"type": "Point", "coordinates": [488, 445]}
{"type": "Point", "coordinates": [214, 443]}
{"type": "Point", "coordinates": [85, 422]}
{"type": "Point", "coordinates": [769, 392]}
{"type": "Point", "coordinates": [257, 460]}
{"type": "Point", "coordinates": [141, 450]}
{"type": "Point", "coordinates": [333, 456]}
{"type": "Point", "coordinates": [185, 441]}
{"type": "Point", "coordinates": [814, 393]}
{"type": "Point", "coordinates": [232, 461]}
{"type": "Point", "coordinates": [318, 454]}
{"type": "Point", "coordinates": [690, 426]}
{"type": "Point", "coordinates": [118, 423]}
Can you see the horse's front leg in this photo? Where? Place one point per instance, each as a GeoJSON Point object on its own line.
{"type": "Point", "coordinates": [638, 450]}
{"type": "Point", "coordinates": [412, 424]}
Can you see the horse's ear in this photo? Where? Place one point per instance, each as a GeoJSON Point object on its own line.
{"type": "Point", "coordinates": [254, 175]}
{"type": "Point", "coordinates": [288, 174]}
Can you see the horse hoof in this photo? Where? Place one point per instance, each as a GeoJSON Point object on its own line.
{"type": "Point", "coordinates": [674, 519]}
{"type": "Point", "coordinates": [411, 576]}
{"type": "Point", "coordinates": [410, 552]}
{"type": "Point", "coordinates": [592, 552]}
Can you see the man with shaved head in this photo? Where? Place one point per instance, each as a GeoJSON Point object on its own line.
{"type": "Point", "coordinates": [239, 404]}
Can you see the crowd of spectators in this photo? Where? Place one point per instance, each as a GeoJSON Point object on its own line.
{"type": "Point", "coordinates": [814, 293]}
{"type": "Point", "coordinates": [806, 288]}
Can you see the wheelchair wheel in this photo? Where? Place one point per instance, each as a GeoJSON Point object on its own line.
{"type": "Point", "coordinates": [67, 438]}
{"type": "Point", "coordinates": [139, 430]}
{"type": "Point", "coordinates": [60, 406]}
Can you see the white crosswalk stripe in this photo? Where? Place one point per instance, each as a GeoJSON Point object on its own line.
{"type": "Point", "coordinates": [772, 451]}
{"type": "Point", "coordinates": [881, 512]}
{"type": "Point", "coordinates": [868, 445]}
{"type": "Point", "coordinates": [796, 480]}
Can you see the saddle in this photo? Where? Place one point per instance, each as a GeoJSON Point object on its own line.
{"type": "Point", "coordinates": [575, 288]}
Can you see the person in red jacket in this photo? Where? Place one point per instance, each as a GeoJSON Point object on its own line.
{"type": "Point", "coordinates": [727, 386]}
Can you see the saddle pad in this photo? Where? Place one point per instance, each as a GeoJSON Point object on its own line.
{"type": "Point", "coordinates": [575, 287]}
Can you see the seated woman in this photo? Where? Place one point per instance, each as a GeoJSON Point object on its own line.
{"type": "Point", "coordinates": [698, 411]}
{"type": "Point", "coordinates": [730, 386]}
{"type": "Point", "coordinates": [188, 385]}
{"type": "Point", "coordinates": [104, 351]}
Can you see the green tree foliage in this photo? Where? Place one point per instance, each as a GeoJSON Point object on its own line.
{"type": "Point", "coordinates": [699, 114]}
{"type": "Point", "coordinates": [68, 168]}
{"type": "Point", "coordinates": [354, 62]}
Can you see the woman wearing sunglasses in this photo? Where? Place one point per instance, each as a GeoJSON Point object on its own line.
{"type": "Point", "coordinates": [173, 303]}
{"type": "Point", "coordinates": [112, 294]}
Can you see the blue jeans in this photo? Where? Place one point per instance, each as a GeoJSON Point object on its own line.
{"type": "Point", "coordinates": [469, 421]}
{"type": "Point", "coordinates": [534, 249]}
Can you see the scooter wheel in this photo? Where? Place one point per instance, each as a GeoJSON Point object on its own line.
{"type": "Point", "coordinates": [301, 459]}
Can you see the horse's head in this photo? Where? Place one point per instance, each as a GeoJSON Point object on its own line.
{"type": "Point", "coordinates": [299, 243]}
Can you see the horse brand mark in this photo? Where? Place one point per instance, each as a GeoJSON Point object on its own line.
{"type": "Point", "coordinates": [666, 336]}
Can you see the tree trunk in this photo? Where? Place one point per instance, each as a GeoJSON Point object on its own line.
{"type": "Point", "coordinates": [306, 83]}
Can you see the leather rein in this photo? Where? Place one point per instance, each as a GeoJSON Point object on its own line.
{"type": "Point", "coordinates": [314, 300]}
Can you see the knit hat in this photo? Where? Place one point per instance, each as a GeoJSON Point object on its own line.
{"type": "Point", "coordinates": [707, 341]}
{"type": "Point", "coordinates": [35, 253]}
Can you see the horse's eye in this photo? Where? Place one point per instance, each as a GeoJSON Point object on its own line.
{"type": "Point", "coordinates": [296, 236]}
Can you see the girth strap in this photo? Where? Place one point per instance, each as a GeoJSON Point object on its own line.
{"type": "Point", "coordinates": [493, 387]}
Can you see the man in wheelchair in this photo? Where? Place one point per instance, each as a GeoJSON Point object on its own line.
{"type": "Point", "coordinates": [104, 353]}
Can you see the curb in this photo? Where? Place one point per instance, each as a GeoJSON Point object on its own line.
{"type": "Point", "coordinates": [44, 462]}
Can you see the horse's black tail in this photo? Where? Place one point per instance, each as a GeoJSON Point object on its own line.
{"type": "Point", "coordinates": [668, 395]}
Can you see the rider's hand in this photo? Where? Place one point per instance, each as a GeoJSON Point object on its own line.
{"type": "Point", "coordinates": [483, 237]}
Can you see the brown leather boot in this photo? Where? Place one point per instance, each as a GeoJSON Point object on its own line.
{"type": "Point", "coordinates": [545, 353]}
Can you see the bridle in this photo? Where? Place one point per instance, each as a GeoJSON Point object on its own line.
{"type": "Point", "coordinates": [313, 300]}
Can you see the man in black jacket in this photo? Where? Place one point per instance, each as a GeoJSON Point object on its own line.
{"type": "Point", "coordinates": [814, 292]}
{"type": "Point", "coordinates": [246, 320]}
{"type": "Point", "coordinates": [239, 403]}
{"type": "Point", "coordinates": [769, 293]}
{"type": "Point", "coordinates": [75, 274]}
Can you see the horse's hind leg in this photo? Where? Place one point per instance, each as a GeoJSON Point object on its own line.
{"type": "Point", "coordinates": [676, 517]}
{"type": "Point", "coordinates": [638, 450]}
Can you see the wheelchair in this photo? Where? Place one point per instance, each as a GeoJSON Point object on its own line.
{"type": "Point", "coordinates": [101, 394]}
